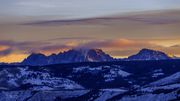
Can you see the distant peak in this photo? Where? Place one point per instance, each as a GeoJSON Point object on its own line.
{"type": "Point", "coordinates": [35, 54]}
{"type": "Point", "coordinates": [147, 50]}
{"type": "Point", "coordinates": [97, 49]}
{"type": "Point", "coordinates": [149, 54]}
{"type": "Point", "coordinates": [54, 54]}
{"type": "Point", "coordinates": [70, 56]}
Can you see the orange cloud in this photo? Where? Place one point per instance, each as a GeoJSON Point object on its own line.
{"type": "Point", "coordinates": [3, 47]}
{"type": "Point", "coordinates": [11, 51]}
{"type": "Point", "coordinates": [165, 42]}
{"type": "Point", "coordinates": [119, 43]}
{"type": "Point", "coordinates": [13, 58]}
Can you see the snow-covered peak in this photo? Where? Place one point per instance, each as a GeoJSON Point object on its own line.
{"type": "Point", "coordinates": [148, 54]}
{"type": "Point", "coordinates": [35, 59]}
{"type": "Point", "coordinates": [70, 56]}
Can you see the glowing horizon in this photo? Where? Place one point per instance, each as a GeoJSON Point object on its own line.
{"type": "Point", "coordinates": [120, 28]}
{"type": "Point", "coordinates": [13, 58]}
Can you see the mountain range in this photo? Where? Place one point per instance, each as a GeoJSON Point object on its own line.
{"type": "Point", "coordinates": [148, 75]}
{"type": "Point", "coordinates": [70, 56]}
{"type": "Point", "coordinates": [89, 55]}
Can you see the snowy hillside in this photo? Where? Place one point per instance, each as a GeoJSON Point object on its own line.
{"type": "Point", "coordinates": [92, 81]}
{"type": "Point", "coordinates": [172, 79]}
{"type": "Point", "coordinates": [34, 80]}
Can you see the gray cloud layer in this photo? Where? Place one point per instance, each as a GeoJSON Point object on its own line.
{"type": "Point", "coordinates": [80, 8]}
{"type": "Point", "coordinates": [47, 46]}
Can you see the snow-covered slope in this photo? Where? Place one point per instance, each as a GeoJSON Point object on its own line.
{"type": "Point", "coordinates": [109, 73]}
{"type": "Point", "coordinates": [172, 96]}
{"type": "Point", "coordinates": [164, 89]}
{"type": "Point", "coordinates": [172, 79]}
{"type": "Point", "coordinates": [29, 95]}
{"type": "Point", "coordinates": [34, 80]}
{"type": "Point", "coordinates": [97, 81]}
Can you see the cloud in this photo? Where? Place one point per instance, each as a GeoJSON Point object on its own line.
{"type": "Point", "coordinates": [151, 19]}
{"type": "Point", "coordinates": [20, 47]}
{"type": "Point", "coordinates": [119, 43]}
{"type": "Point", "coordinates": [24, 43]}
{"type": "Point", "coordinates": [116, 47]}
{"type": "Point", "coordinates": [71, 38]}
{"type": "Point", "coordinates": [14, 47]}
{"type": "Point", "coordinates": [175, 46]}
{"type": "Point", "coordinates": [49, 47]}
{"type": "Point", "coordinates": [36, 4]}
{"type": "Point", "coordinates": [2, 47]}
{"type": "Point", "coordinates": [6, 52]}
{"type": "Point", "coordinates": [82, 8]}
{"type": "Point", "coordinates": [53, 49]}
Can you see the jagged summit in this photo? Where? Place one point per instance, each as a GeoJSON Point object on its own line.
{"type": "Point", "coordinates": [70, 56]}
{"type": "Point", "coordinates": [89, 55]}
{"type": "Point", "coordinates": [149, 54]}
{"type": "Point", "coordinates": [35, 58]}
{"type": "Point", "coordinates": [146, 50]}
{"type": "Point", "coordinates": [36, 54]}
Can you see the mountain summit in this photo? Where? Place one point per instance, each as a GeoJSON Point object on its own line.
{"type": "Point", "coordinates": [35, 59]}
{"type": "Point", "coordinates": [148, 54]}
{"type": "Point", "coordinates": [71, 56]}
{"type": "Point", "coordinates": [89, 55]}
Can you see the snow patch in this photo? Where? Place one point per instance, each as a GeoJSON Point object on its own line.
{"type": "Point", "coordinates": [167, 80]}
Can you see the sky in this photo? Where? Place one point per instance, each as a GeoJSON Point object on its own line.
{"type": "Point", "coordinates": [119, 27]}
